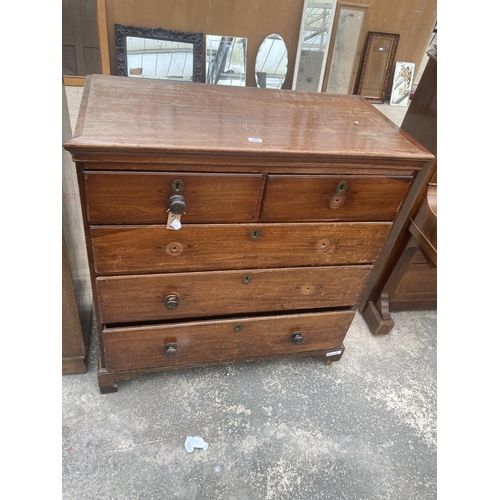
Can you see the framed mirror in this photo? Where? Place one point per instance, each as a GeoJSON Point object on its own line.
{"type": "Point", "coordinates": [378, 62]}
{"type": "Point", "coordinates": [345, 48]}
{"type": "Point", "coordinates": [226, 60]}
{"type": "Point", "coordinates": [157, 53]}
{"type": "Point", "coordinates": [271, 63]}
{"type": "Point", "coordinates": [316, 27]}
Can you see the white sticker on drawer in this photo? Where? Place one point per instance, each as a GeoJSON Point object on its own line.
{"type": "Point", "coordinates": [174, 221]}
{"type": "Point", "coordinates": [333, 353]}
{"type": "Point", "coordinates": [254, 139]}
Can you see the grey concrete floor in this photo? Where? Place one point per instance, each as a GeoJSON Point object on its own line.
{"type": "Point", "coordinates": [362, 428]}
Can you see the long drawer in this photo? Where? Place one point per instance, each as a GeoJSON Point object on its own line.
{"type": "Point", "coordinates": [156, 297]}
{"type": "Point", "coordinates": [142, 197]}
{"type": "Point", "coordinates": [334, 197]}
{"type": "Point", "coordinates": [225, 340]}
{"type": "Point", "coordinates": [149, 249]}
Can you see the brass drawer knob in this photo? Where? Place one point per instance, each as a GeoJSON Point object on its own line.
{"type": "Point", "coordinates": [177, 204]}
{"type": "Point", "coordinates": [171, 350]}
{"type": "Point", "coordinates": [172, 301]}
{"type": "Point", "coordinates": [297, 338]}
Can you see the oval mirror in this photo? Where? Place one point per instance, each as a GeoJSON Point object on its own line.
{"type": "Point", "coordinates": [271, 63]}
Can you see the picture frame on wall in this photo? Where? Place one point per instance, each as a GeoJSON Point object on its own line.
{"type": "Point", "coordinates": [401, 87]}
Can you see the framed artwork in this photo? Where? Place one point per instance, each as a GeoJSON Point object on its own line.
{"type": "Point", "coordinates": [401, 87]}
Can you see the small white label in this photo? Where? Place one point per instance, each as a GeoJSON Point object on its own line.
{"type": "Point", "coordinates": [173, 221]}
{"type": "Point", "coordinates": [175, 224]}
{"type": "Point", "coordinates": [333, 353]}
{"type": "Point", "coordinates": [254, 139]}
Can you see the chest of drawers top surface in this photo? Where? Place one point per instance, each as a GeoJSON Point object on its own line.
{"type": "Point", "coordinates": [127, 115]}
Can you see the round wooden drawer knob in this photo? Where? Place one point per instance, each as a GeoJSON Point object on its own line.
{"type": "Point", "coordinates": [337, 200]}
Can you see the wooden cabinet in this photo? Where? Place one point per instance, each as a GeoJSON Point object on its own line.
{"type": "Point", "coordinates": [285, 200]}
{"type": "Point", "coordinates": [409, 282]}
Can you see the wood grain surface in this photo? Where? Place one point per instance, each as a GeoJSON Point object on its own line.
{"type": "Point", "coordinates": [142, 197]}
{"type": "Point", "coordinates": [162, 116]}
{"type": "Point", "coordinates": [125, 299]}
{"type": "Point", "coordinates": [204, 247]}
{"type": "Point", "coordinates": [311, 198]}
{"type": "Point", "coordinates": [144, 347]}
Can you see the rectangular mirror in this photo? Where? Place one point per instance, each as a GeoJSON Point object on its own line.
{"type": "Point", "coordinates": [317, 20]}
{"type": "Point", "coordinates": [226, 60]}
{"type": "Point", "coordinates": [158, 53]}
{"type": "Point", "coordinates": [345, 48]}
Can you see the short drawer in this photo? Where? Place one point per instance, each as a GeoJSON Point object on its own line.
{"type": "Point", "coordinates": [142, 197]}
{"type": "Point", "coordinates": [150, 249]}
{"type": "Point", "coordinates": [127, 299]}
{"type": "Point", "coordinates": [223, 341]}
{"type": "Point", "coordinates": [334, 197]}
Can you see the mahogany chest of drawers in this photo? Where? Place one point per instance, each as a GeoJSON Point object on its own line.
{"type": "Point", "coordinates": [284, 201]}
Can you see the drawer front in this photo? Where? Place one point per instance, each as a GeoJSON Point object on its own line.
{"type": "Point", "coordinates": [149, 249]}
{"type": "Point", "coordinates": [222, 341]}
{"type": "Point", "coordinates": [333, 197]}
{"type": "Point", "coordinates": [142, 198]}
{"type": "Point", "coordinates": [155, 297]}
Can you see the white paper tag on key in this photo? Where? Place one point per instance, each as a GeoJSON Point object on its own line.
{"type": "Point", "coordinates": [173, 221]}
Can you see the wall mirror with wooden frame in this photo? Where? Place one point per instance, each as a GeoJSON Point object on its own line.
{"type": "Point", "coordinates": [378, 63]}
{"type": "Point", "coordinates": [345, 48]}
{"type": "Point", "coordinates": [158, 53]}
{"type": "Point", "coordinates": [314, 38]}
{"type": "Point", "coordinates": [226, 60]}
{"type": "Point", "coordinates": [271, 62]}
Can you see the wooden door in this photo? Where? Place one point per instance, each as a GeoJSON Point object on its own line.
{"type": "Point", "coordinates": [80, 42]}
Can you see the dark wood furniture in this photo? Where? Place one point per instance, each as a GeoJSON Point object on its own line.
{"type": "Point", "coordinates": [287, 199]}
{"type": "Point", "coordinates": [410, 280]}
